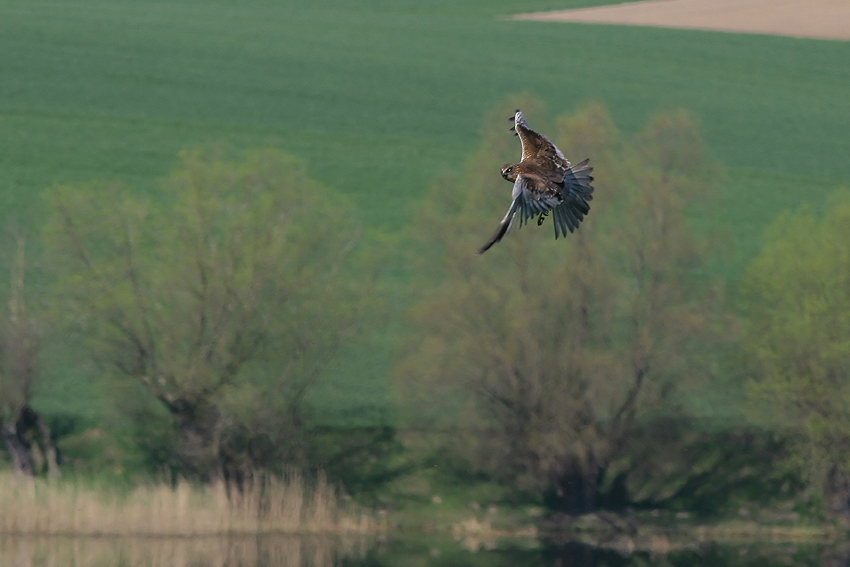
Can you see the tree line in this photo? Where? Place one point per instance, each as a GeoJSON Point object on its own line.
{"type": "Point", "coordinates": [561, 369]}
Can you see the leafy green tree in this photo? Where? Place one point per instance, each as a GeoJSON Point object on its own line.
{"type": "Point", "coordinates": [548, 353]}
{"type": "Point", "coordinates": [224, 302]}
{"type": "Point", "coordinates": [798, 337]}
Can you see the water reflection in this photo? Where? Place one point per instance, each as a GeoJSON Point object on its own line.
{"type": "Point", "coordinates": [430, 553]}
{"type": "Point", "coordinates": [265, 551]}
{"type": "Point", "coordinates": [423, 551]}
{"type": "Point", "coordinates": [706, 555]}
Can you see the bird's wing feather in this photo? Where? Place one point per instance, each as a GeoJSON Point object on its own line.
{"type": "Point", "coordinates": [535, 145]}
{"type": "Point", "coordinates": [535, 196]}
{"type": "Point", "coordinates": [576, 191]}
{"type": "Point", "coordinates": [578, 179]}
{"type": "Point", "coordinates": [504, 227]}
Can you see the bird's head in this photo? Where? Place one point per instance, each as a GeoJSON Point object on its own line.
{"type": "Point", "coordinates": [509, 171]}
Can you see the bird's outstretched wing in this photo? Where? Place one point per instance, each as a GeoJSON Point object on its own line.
{"type": "Point", "coordinates": [532, 195]}
{"type": "Point", "coordinates": [577, 191]}
{"type": "Point", "coordinates": [567, 199]}
{"type": "Point", "coordinates": [504, 228]}
{"type": "Point", "coordinates": [534, 145]}
{"type": "Point", "coordinates": [535, 195]}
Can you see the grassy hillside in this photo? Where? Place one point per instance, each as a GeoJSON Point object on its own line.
{"type": "Point", "coordinates": [380, 96]}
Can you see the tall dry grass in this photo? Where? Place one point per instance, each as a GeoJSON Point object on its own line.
{"type": "Point", "coordinates": [266, 505]}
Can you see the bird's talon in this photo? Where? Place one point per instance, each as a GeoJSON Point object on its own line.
{"type": "Point", "coordinates": [542, 216]}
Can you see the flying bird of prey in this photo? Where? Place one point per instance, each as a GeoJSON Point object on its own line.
{"type": "Point", "coordinates": [544, 181]}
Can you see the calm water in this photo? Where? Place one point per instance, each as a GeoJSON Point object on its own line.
{"type": "Point", "coordinates": [407, 552]}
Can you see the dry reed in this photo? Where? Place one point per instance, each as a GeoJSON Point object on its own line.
{"type": "Point", "coordinates": [266, 505]}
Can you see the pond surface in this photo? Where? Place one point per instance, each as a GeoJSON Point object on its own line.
{"type": "Point", "coordinates": [414, 551]}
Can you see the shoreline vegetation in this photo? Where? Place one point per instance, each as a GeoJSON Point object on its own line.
{"type": "Point", "coordinates": [291, 505]}
{"type": "Point", "coordinates": [265, 505]}
{"type": "Point", "coordinates": [626, 534]}
{"type": "Point", "coordinates": [302, 520]}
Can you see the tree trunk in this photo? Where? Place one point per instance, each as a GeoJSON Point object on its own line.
{"type": "Point", "coordinates": [19, 451]}
{"type": "Point", "coordinates": [31, 421]}
{"type": "Point", "coordinates": [571, 554]}
{"type": "Point", "coordinates": [577, 491]}
{"type": "Point", "coordinates": [199, 443]}
{"type": "Point", "coordinates": [27, 433]}
{"type": "Point", "coordinates": [839, 492]}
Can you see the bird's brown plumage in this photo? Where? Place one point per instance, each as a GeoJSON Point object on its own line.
{"type": "Point", "coordinates": [544, 181]}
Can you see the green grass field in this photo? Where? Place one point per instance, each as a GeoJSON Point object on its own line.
{"type": "Point", "coordinates": [380, 96]}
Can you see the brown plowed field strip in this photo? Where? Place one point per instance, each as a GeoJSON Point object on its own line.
{"type": "Point", "coordinates": [821, 19]}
